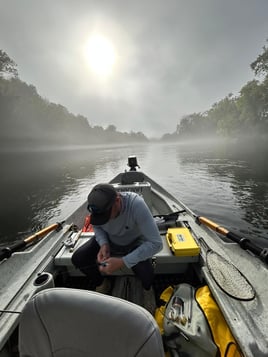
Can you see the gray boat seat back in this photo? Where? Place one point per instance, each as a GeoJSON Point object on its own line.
{"type": "Point", "coordinates": [130, 177]}
{"type": "Point", "coordinates": [62, 322]}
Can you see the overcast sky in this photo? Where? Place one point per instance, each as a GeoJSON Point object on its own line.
{"type": "Point", "coordinates": [171, 57]}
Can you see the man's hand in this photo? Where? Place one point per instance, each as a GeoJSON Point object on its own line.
{"type": "Point", "coordinates": [104, 253]}
{"type": "Point", "coordinates": [111, 265]}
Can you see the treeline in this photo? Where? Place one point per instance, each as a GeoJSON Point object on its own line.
{"type": "Point", "coordinates": [233, 116]}
{"type": "Point", "coordinates": [28, 119]}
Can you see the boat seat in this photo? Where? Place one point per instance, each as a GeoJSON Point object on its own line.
{"type": "Point", "coordinates": [131, 177]}
{"type": "Point", "coordinates": [63, 322]}
{"type": "Point", "coordinates": [141, 187]}
{"type": "Point", "coordinates": [165, 262]}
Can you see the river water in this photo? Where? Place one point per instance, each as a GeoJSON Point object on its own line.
{"type": "Point", "coordinates": [41, 187]}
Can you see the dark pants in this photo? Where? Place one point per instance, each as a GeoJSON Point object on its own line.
{"type": "Point", "coordinates": [85, 257]}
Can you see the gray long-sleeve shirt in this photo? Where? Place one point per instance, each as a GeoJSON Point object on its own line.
{"type": "Point", "coordinates": [134, 224]}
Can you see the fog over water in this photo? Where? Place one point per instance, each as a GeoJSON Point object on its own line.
{"type": "Point", "coordinates": [40, 187]}
{"type": "Point", "coordinates": [172, 58]}
{"type": "Point", "coordinates": [172, 70]}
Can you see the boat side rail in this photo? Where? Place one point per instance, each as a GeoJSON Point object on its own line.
{"type": "Point", "coordinates": [250, 332]}
{"type": "Point", "coordinates": [18, 274]}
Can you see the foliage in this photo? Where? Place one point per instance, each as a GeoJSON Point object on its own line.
{"type": "Point", "coordinates": [224, 115]}
{"type": "Point", "coordinates": [7, 65]}
{"type": "Point", "coordinates": [28, 119]}
{"type": "Point", "coordinates": [232, 116]}
{"type": "Point", "coordinates": [252, 105]}
{"type": "Point", "coordinates": [260, 65]}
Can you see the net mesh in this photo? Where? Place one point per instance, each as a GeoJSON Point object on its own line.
{"type": "Point", "coordinates": [229, 278]}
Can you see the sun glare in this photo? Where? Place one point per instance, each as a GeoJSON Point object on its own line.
{"type": "Point", "coordinates": [100, 55]}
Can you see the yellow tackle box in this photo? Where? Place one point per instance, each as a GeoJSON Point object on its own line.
{"type": "Point", "coordinates": [181, 242]}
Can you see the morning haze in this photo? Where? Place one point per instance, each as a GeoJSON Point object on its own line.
{"type": "Point", "coordinates": [157, 61]}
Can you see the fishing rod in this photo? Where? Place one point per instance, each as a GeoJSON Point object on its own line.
{"type": "Point", "coordinates": [244, 243]}
{"type": "Point", "coordinates": [168, 216]}
{"type": "Point", "coordinates": [6, 252]}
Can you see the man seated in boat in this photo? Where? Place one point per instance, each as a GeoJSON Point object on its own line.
{"type": "Point", "coordinates": [125, 235]}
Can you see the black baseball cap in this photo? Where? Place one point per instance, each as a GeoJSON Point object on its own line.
{"type": "Point", "coordinates": [100, 202]}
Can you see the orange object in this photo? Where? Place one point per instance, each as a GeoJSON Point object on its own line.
{"type": "Point", "coordinates": [87, 225]}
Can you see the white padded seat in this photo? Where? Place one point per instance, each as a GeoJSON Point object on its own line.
{"type": "Point", "coordinates": [62, 322]}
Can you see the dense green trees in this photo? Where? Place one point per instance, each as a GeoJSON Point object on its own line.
{"type": "Point", "coordinates": [28, 119]}
{"type": "Point", "coordinates": [260, 65]}
{"type": "Point", "coordinates": [7, 65]}
{"type": "Point", "coordinates": [232, 116]}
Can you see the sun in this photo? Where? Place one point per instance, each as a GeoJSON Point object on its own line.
{"type": "Point", "coordinates": [100, 55]}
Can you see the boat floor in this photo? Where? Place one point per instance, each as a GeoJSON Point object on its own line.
{"type": "Point", "coordinates": [129, 287]}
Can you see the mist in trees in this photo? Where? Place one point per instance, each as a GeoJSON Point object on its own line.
{"type": "Point", "coordinates": [234, 116]}
{"type": "Point", "coordinates": [28, 119]}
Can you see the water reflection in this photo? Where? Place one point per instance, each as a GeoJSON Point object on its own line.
{"type": "Point", "coordinates": [42, 187]}
{"type": "Point", "coordinates": [237, 180]}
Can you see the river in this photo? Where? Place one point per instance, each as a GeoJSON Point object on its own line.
{"type": "Point", "coordinates": [40, 187]}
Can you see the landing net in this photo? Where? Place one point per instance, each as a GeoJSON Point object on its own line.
{"type": "Point", "coordinates": [229, 278]}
